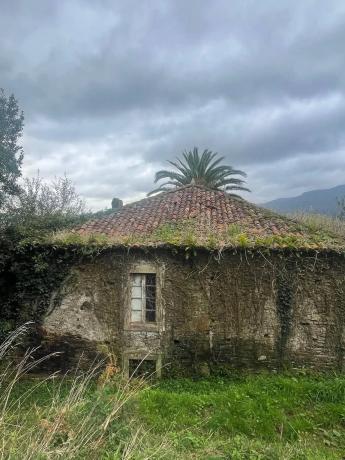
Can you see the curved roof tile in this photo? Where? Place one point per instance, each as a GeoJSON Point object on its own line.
{"type": "Point", "coordinates": [209, 210]}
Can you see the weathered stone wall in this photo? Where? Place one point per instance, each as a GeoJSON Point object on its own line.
{"type": "Point", "coordinates": [236, 309]}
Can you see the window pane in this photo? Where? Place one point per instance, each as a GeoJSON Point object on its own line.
{"type": "Point", "coordinates": [136, 304]}
{"type": "Point", "coordinates": [151, 279]}
{"type": "Point", "coordinates": [150, 316]}
{"type": "Point", "coordinates": [137, 292]}
{"type": "Point", "coordinates": [151, 291]}
{"type": "Point", "coordinates": [150, 303]}
{"type": "Point", "coordinates": [150, 298]}
{"type": "Point", "coordinates": [136, 279]}
{"type": "Point", "coordinates": [136, 315]}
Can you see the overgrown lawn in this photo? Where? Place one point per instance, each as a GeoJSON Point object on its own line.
{"type": "Point", "coordinates": [271, 416]}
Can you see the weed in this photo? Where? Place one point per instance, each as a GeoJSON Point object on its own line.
{"type": "Point", "coordinates": [234, 230]}
{"type": "Point", "coordinates": [311, 232]}
{"type": "Point", "coordinates": [255, 417]}
{"type": "Point", "coordinates": [72, 417]}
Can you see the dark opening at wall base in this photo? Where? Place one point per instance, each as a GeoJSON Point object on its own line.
{"type": "Point", "coordinates": [142, 368]}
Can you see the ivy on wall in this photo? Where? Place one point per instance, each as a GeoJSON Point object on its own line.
{"type": "Point", "coordinates": [31, 271]}
{"type": "Point", "coordinates": [29, 274]}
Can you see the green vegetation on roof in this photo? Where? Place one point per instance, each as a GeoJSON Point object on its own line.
{"type": "Point", "coordinates": [185, 234]}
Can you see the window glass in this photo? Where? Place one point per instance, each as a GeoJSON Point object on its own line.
{"type": "Point", "coordinates": [136, 292]}
{"type": "Point", "coordinates": [150, 316]}
{"type": "Point", "coordinates": [143, 297]}
{"type": "Point", "coordinates": [150, 298]}
{"type": "Point", "coordinates": [136, 279]}
{"type": "Point", "coordinates": [136, 316]}
{"type": "Point", "coordinates": [151, 279]}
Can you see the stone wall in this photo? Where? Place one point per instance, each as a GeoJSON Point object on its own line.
{"type": "Point", "coordinates": [239, 309]}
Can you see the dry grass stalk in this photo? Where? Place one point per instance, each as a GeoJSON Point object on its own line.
{"type": "Point", "coordinates": [75, 425]}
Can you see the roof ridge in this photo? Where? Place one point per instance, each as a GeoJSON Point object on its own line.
{"type": "Point", "coordinates": [177, 189]}
{"type": "Point", "coordinates": [203, 187]}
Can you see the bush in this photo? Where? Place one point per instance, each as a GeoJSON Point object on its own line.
{"type": "Point", "coordinates": [41, 208]}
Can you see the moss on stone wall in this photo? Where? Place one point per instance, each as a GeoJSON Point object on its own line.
{"type": "Point", "coordinates": [239, 308]}
{"type": "Point", "coordinates": [29, 274]}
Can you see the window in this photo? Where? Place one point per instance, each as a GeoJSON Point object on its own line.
{"type": "Point", "coordinates": [142, 367]}
{"type": "Point", "coordinates": [138, 363]}
{"type": "Point", "coordinates": [143, 298]}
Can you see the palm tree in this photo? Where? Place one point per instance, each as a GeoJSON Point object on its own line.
{"type": "Point", "coordinates": [200, 170]}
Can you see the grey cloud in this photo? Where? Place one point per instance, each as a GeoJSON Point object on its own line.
{"type": "Point", "coordinates": [111, 90]}
{"type": "Point", "coordinates": [153, 58]}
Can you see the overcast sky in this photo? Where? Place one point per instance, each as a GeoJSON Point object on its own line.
{"type": "Point", "coordinates": [112, 89]}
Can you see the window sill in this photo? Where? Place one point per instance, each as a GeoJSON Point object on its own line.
{"type": "Point", "coordinates": [154, 327]}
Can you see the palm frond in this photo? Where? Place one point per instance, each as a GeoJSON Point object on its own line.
{"type": "Point", "coordinates": [230, 181]}
{"type": "Point", "coordinates": [165, 174]}
{"type": "Point", "coordinates": [237, 187]}
{"type": "Point", "coordinates": [202, 169]}
{"type": "Point", "coordinates": [180, 166]}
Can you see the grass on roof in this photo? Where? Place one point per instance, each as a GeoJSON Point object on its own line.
{"type": "Point", "coordinates": [320, 222]}
{"type": "Point", "coordinates": [308, 232]}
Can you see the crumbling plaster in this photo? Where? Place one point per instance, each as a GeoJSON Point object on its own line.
{"type": "Point", "coordinates": [238, 310]}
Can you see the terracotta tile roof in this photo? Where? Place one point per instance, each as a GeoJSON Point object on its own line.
{"type": "Point", "coordinates": [210, 212]}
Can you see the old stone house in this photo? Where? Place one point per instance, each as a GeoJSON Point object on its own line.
{"type": "Point", "coordinates": [193, 279]}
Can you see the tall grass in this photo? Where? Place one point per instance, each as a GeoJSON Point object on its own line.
{"type": "Point", "coordinates": [102, 415]}
{"type": "Point", "coordinates": [85, 415]}
{"type": "Point", "coordinates": [320, 222]}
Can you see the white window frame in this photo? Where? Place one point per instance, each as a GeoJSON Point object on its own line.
{"type": "Point", "coordinates": [144, 268]}
{"type": "Point", "coordinates": [142, 298]}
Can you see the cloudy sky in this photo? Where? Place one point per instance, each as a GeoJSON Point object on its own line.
{"type": "Point", "coordinates": [112, 89]}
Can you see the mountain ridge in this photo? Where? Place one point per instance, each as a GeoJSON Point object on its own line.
{"type": "Point", "coordinates": [323, 201]}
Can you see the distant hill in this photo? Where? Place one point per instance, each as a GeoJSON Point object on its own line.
{"type": "Point", "coordinates": [320, 201]}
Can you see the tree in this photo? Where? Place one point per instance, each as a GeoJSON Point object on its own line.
{"type": "Point", "coordinates": [41, 206]}
{"type": "Point", "coordinates": [200, 170]}
{"type": "Point", "coordinates": [11, 153]}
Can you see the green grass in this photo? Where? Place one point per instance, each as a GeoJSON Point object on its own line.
{"type": "Point", "coordinates": [257, 417]}
{"type": "Point", "coordinates": [268, 416]}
